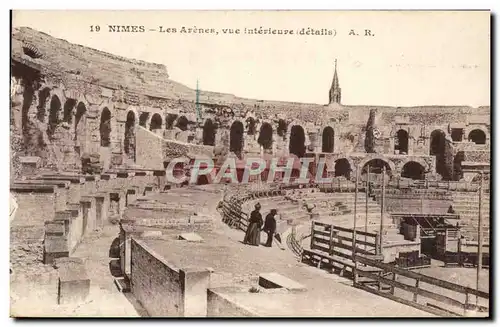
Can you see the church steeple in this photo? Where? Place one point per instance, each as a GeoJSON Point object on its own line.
{"type": "Point", "coordinates": [335, 90]}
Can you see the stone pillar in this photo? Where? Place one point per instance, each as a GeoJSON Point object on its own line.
{"type": "Point", "coordinates": [194, 285]}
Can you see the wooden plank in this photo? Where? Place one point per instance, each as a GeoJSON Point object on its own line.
{"type": "Point", "coordinates": [349, 247]}
{"type": "Point", "coordinates": [321, 224]}
{"type": "Point", "coordinates": [423, 278]}
{"type": "Point", "coordinates": [406, 302]}
{"type": "Point", "coordinates": [322, 233]}
{"type": "Point", "coordinates": [362, 242]}
{"type": "Point", "coordinates": [414, 290]}
{"type": "Point", "coordinates": [348, 230]}
{"type": "Point", "coordinates": [319, 247]}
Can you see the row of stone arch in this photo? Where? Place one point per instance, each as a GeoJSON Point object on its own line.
{"type": "Point", "coordinates": [438, 145]}
{"type": "Point", "coordinates": [411, 169]}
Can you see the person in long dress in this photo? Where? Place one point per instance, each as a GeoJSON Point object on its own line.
{"type": "Point", "coordinates": [252, 236]}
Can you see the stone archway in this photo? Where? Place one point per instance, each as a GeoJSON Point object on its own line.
{"type": "Point", "coordinates": [155, 123]}
{"type": "Point", "coordinates": [236, 140]}
{"type": "Point", "coordinates": [328, 140]}
{"type": "Point", "coordinates": [343, 168]}
{"type": "Point", "coordinates": [413, 170]}
{"type": "Point", "coordinates": [129, 138]}
{"type": "Point", "coordinates": [182, 123]}
{"type": "Point", "coordinates": [143, 119]}
{"type": "Point", "coordinates": [377, 165]}
{"type": "Point", "coordinates": [28, 96]}
{"type": "Point", "coordinates": [297, 141]}
{"type": "Point", "coordinates": [458, 174]}
{"type": "Point", "coordinates": [477, 136]}
{"type": "Point", "coordinates": [80, 127]}
{"type": "Point", "coordinates": [440, 148]}
{"type": "Point", "coordinates": [55, 110]}
{"type": "Point", "coordinates": [169, 121]}
{"type": "Point", "coordinates": [43, 96]}
{"type": "Point", "coordinates": [69, 105]}
{"type": "Point", "coordinates": [105, 127]}
{"type": "Point", "coordinates": [401, 142]}
{"type": "Point", "coordinates": [209, 132]}
{"type": "Point", "coordinates": [266, 136]}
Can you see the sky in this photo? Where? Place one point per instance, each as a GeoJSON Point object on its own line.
{"type": "Point", "coordinates": [410, 59]}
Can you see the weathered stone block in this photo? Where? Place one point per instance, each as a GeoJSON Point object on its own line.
{"type": "Point", "coordinates": [191, 237]}
{"type": "Point", "coordinates": [54, 247]}
{"type": "Point", "coordinates": [29, 165]}
{"type": "Point", "coordinates": [74, 282]}
{"type": "Point", "coordinates": [275, 280]}
{"type": "Point", "coordinates": [54, 228]}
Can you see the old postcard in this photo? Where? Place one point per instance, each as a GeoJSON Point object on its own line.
{"type": "Point", "coordinates": [250, 164]}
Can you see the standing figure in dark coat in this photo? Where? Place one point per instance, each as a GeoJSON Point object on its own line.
{"type": "Point", "coordinates": [270, 227]}
{"type": "Point", "coordinates": [252, 236]}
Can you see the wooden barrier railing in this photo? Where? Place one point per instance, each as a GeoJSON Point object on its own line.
{"type": "Point", "coordinates": [457, 304]}
{"type": "Point", "coordinates": [328, 238]}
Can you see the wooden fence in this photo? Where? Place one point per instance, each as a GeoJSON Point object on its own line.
{"type": "Point", "coordinates": [449, 299]}
{"type": "Point", "coordinates": [332, 246]}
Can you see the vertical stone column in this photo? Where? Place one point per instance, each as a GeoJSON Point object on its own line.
{"type": "Point", "coordinates": [194, 285]}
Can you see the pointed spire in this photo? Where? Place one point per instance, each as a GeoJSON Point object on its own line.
{"type": "Point", "coordinates": [335, 90]}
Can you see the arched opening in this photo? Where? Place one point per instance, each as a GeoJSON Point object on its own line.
{"type": "Point", "coordinates": [266, 136]}
{"type": "Point", "coordinates": [251, 126]}
{"type": "Point", "coordinates": [55, 108]}
{"type": "Point", "coordinates": [376, 167]}
{"type": "Point", "coordinates": [209, 133]}
{"type": "Point", "coordinates": [328, 140]}
{"type": "Point", "coordinates": [182, 123]}
{"type": "Point", "coordinates": [143, 119]}
{"type": "Point", "coordinates": [297, 141]}
{"type": "Point", "coordinates": [27, 100]}
{"type": "Point", "coordinates": [477, 136]}
{"type": "Point", "coordinates": [401, 144]}
{"type": "Point", "coordinates": [443, 152]}
{"type": "Point", "coordinates": [457, 134]}
{"type": "Point", "coordinates": [129, 139]}
{"type": "Point", "coordinates": [236, 138]}
{"type": "Point", "coordinates": [282, 128]}
{"type": "Point", "coordinates": [343, 168]}
{"type": "Point", "coordinates": [80, 128]}
{"type": "Point", "coordinates": [413, 170]}
{"type": "Point", "coordinates": [156, 122]}
{"type": "Point", "coordinates": [43, 96]}
{"type": "Point", "coordinates": [458, 174]}
{"type": "Point", "coordinates": [105, 127]}
{"type": "Point", "coordinates": [68, 110]}
{"type": "Point", "coordinates": [169, 121]}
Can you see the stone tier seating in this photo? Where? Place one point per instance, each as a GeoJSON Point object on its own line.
{"type": "Point", "coordinates": [68, 205]}
{"type": "Point", "coordinates": [466, 204]}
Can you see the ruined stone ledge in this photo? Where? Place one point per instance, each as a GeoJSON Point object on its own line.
{"type": "Point", "coordinates": [34, 188]}
{"type": "Point", "coordinates": [60, 184]}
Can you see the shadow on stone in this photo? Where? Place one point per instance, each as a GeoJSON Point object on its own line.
{"type": "Point", "coordinates": [114, 249]}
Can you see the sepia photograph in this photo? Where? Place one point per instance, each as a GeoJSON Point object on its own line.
{"type": "Point", "coordinates": [322, 164]}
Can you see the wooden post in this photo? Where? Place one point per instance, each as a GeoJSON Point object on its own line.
{"type": "Point", "coordinates": [466, 304]}
{"type": "Point", "coordinates": [355, 270]}
{"type": "Point", "coordinates": [330, 248]}
{"type": "Point", "coordinates": [417, 281]}
{"type": "Point", "coordinates": [382, 202]}
{"type": "Point", "coordinates": [480, 236]}
{"type": "Point", "coordinates": [377, 244]}
{"type": "Point", "coordinates": [366, 204]}
{"type": "Point", "coordinates": [393, 279]}
{"type": "Point", "coordinates": [355, 211]}
{"type": "Point", "coordinates": [312, 235]}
